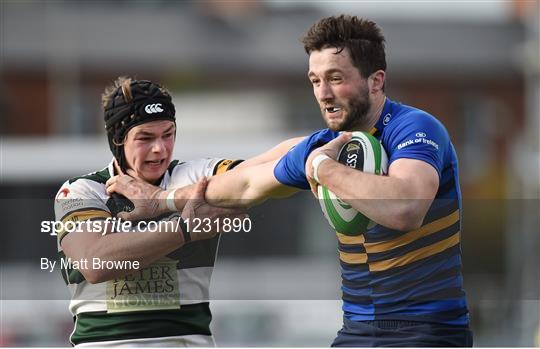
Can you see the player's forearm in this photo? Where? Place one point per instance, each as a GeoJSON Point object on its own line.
{"type": "Point", "coordinates": [388, 201]}
{"type": "Point", "coordinates": [229, 189]}
{"type": "Point", "coordinates": [181, 197]}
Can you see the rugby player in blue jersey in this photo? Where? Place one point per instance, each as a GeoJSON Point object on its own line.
{"type": "Point", "coordinates": [402, 283]}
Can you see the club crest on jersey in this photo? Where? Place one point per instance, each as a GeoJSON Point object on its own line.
{"type": "Point", "coordinates": [386, 119]}
{"type": "Point", "coordinates": [62, 193]}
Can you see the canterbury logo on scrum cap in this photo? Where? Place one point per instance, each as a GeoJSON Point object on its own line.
{"type": "Point", "coordinates": [153, 108]}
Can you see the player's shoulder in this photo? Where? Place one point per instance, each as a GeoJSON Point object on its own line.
{"type": "Point", "coordinates": [99, 177]}
{"type": "Point", "coordinates": [407, 115]}
{"type": "Point", "coordinates": [83, 195]}
{"type": "Point", "coordinates": [407, 119]}
{"type": "Point", "coordinates": [88, 185]}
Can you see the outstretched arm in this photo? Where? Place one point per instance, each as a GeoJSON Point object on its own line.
{"type": "Point", "coordinates": [248, 186]}
{"type": "Point", "coordinates": [252, 181]}
{"type": "Point", "coordinates": [249, 183]}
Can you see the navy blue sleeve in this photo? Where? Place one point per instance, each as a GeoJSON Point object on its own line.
{"type": "Point", "coordinates": [417, 135]}
{"type": "Point", "coordinates": [290, 170]}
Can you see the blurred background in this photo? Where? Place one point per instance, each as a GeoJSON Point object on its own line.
{"type": "Point", "coordinates": [237, 71]}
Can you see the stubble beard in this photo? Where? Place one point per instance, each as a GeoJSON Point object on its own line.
{"type": "Point", "coordinates": [357, 114]}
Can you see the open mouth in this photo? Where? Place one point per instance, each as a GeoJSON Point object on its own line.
{"type": "Point", "coordinates": [155, 162]}
{"type": "Point", "coordinates": [332, 110]}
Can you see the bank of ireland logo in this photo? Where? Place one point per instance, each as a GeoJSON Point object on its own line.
{"type": "Point", "coordinates": [420, 135]}
{"type": "Point", "coordinates": [153, 108]}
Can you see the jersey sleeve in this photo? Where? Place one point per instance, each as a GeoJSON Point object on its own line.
{"type": "Point", "coordinates": [418, 136]}
{"type": "Point", "coordinates": [191, 171]}
{"type": "Point", "coordinates": [290, 170]}
{"type": "Point", "coordinates": [78, 201]}
{"type": "Point", "coordinates": [224, 165]}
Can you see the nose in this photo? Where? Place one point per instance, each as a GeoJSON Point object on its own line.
{"type": "Point", "coordinates": [324, 92]}
{"type": "Point", "coordinates": [158, 146]}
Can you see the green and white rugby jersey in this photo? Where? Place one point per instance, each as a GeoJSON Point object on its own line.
{"type": "Point", "coordinates": [167, 300]}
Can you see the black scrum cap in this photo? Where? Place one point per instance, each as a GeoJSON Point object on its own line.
{"type": "Point", "coordinates": [149, 103]}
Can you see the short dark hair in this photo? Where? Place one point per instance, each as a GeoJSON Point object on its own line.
{"type": "Point", "coordinates": [362, 37]}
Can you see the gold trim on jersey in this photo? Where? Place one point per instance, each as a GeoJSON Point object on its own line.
{"type": "Point", "coordinates": [79, 216]}
{"type": "Point", "coordinates": [353, 258]}
{"type": "Point", "coordinates": [433, 227]}
{"type": "Point", "coordinates": [350, 240]}
{"type": "Point", "coordinates": [222, 166]}
{"type": "Point", "coordinates": [86, 215]}
{"type": "Point", "coordinates": [415, 255]}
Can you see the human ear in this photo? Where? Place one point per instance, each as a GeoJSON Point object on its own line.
{"type": "Point", "coordinates": [376, 81]}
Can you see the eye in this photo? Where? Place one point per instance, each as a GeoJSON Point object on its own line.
{"type": "Point", "coordinates": [314, 81]}
{"type": "Point", "coordinates": [336, 79]}
{"type": "Point", "coordinates": [144, 139]}
{"type": "Point", "coordinates": [168, 135]}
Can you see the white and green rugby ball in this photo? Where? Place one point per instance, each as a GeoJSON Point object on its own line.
{"type": "Point", "coordinates": [365, 153]}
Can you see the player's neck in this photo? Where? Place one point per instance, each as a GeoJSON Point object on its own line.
{"type": "Point", "coordinates": [375, 113]}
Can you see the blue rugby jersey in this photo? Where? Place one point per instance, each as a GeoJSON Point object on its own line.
{"type": "Point", "coordinates": [395, 275]}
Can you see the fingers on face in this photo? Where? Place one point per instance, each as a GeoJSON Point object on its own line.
{"type": "Point", "coordinates": [131, 172]}
{"type": "Point", "coordinates": [124, 179]}
{"type": "Point", "coordinates": [119, 179]}
{"type": "Point", "coordinates": [118, 182]}
{"type": "Point", "coordinates": [110, 181]}
{"type": "Point", "coordinates": [118, 168]}
{"type": "Point", "coordinates": [110, 188]}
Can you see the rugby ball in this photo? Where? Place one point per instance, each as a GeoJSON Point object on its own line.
{"type": "Point", "coordinates": [364, 153]}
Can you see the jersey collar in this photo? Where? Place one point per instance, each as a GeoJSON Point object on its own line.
{"type": "Point", "coordinates": [110, 168]}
